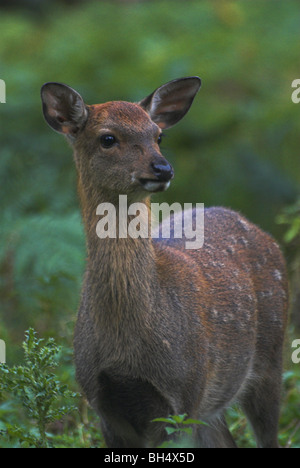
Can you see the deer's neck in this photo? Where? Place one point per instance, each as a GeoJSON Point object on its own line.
{"type": "Point", "coordinates": [120, 271]}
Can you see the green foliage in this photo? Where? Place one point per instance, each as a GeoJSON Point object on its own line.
{"type": "Point", "coordinates": [289, 424]}
{"type": "Point", "coordinates": [42, 260]}
{"type": "Point", "coordinates": [289, 435]}
{"type": "Point", "coordinates": [240, 428]}
{"type": "Point", "coordinates": [36, 390]}
{"type": "Point", "coordinates": [180, 428]}
{"type": "Point", "coordinates": [290, 217]}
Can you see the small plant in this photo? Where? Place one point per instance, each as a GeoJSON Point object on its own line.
{"type": "Point", "coordinates": [290, 216]}
{"type": "Point", "coordinates": [37, 390]}
{"type": "Point", "coordinates": [181, 428]}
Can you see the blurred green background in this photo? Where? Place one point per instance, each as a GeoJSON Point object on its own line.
{"type": "Point", "coordinates": [238, 146]}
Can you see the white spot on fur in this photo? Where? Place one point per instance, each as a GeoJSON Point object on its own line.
{"type": "Point", "coordinates": [233, 240]}
{"type": "Point", "coordinates": [243, 241]}
{"type": "Point", "coordinates": [245, 225]}
{"type": "Point", "coordinates": [265, 294]}
{"type": "Point", "coordinates": [277, 275]}
{"type": "Point", "coordinates": [166, 343]}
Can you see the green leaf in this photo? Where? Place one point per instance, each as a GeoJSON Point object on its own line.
{"type": "Point", "coordinates": [166, 420]}
{"type": "Point", "coordinates": [179, 418]}
{"type": "Point", "coordinates": [171, 430]}
{"type": "Point", "coordinates": [194, 421]}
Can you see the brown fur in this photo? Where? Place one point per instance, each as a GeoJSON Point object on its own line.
{"type": "Point", "coordinates": [163, 330]}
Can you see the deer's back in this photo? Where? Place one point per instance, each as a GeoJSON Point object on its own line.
{"type": "Point", "coordinates": [236, 283]}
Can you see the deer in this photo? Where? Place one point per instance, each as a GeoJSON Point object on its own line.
{"type": "Point", "coordinates": [164, 330]}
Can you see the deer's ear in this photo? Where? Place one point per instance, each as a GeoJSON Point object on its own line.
{"type": "Point", "coordinates": [169, 103]}
{"type": "Point", "coordinates": [63, 108]}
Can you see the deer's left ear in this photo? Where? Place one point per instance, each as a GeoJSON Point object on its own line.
{"type": "Point", "coordinates": [169, 103]}
{"type": "Point", "coordinates": [64, 108]}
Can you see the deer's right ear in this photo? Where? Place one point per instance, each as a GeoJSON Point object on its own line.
{"type": "Point", "coordinates": [64, 109]}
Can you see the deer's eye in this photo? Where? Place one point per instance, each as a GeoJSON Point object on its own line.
{"type": "Point", "coordinates": [107, 141]}
{"type": "Point", "coordinates": [160, 138]}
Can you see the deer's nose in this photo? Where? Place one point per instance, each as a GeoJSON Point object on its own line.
{"type": "Point", "coordinates": [163, 171]}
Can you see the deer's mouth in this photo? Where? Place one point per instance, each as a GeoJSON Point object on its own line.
{"type": "Point", "coordinates": [153, 185]}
